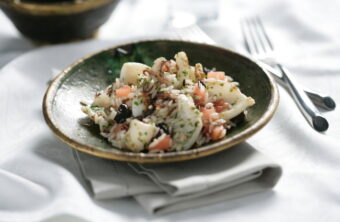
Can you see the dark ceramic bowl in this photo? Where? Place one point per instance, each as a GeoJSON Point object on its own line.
{"type": "Point", "coordinates": [84, 78]}
{"type": "Point", "coordinates": [58, 21]}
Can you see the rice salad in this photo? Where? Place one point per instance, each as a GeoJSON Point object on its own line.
{"type": "Point", "coordinates": [170, 106]}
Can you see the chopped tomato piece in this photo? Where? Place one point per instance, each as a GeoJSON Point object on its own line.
{"type": "Point", "coordinates": [216, 75]}
{"type": "Point", "coordinates": [221, 105]}
{"type": "Point", "coordinates": [208, 114]}
{"type": "Point", "coordinates": [200, 94]}
{"type": "Point", "coordinates": [164, 142]}
{"type": "Point", "coordinates": [123, 91]}
{"type": "Point", "coordinates": [165, 66]}
{"type": "Point", "coordinates": [217, 133]}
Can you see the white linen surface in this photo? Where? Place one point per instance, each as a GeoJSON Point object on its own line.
{"type": "Point", "coordinates": [307, 35]}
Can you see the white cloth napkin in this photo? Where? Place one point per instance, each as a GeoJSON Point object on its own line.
{"type": "Point", "coordinates": [165, 188]}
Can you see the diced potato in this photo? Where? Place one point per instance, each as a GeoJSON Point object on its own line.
{"type": "Point", "coordinates": [185, 71]}
{"type": "Point", "coordinates": [138, 135]}
{"type": "Point", "coordinates": [188, 123]}
{"type": "Point", "coordinates": [103, 100]}
{"type": "Point", "coordinates": [138, 106]}
{"type": "Point", "coordinates": [229, 92]}
{"type": "Point", "coordinates": [130, 71]}
{"type": "Point", "coordinates": [222, 89]}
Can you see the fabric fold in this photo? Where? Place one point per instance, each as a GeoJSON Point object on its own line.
{"type": "Point", "coordinates": [160, 204]}
{"type": "Point", "coordinates": [112, 179]}
{"type": "Point", "coordinates": [164, 188]}
{"type": "Point", "coordinates": [219, 170]}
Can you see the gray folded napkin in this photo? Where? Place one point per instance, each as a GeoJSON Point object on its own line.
{"type": "Point", "coordinates": [170, 187]}
{"type": "Point", "coordinates": [113, 179]}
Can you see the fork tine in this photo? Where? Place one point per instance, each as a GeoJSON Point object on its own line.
{"type": "Point", "coordinates": [255, 37]}
{"type": "Point", "coordinates": [248, 37]}
{"type": "Point", "coordinates": [245, 36]}
{"type": "Point", "coordinates": [261, 27]}
{"type": "Point", "coordinates": [253, 26]}
{"type": "Point", "coordinates": [261, 35]}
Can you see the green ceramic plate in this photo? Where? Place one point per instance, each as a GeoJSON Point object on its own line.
{"type": "Point", "coordinates": [84, 78]}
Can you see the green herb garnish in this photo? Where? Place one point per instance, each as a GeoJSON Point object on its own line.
{"type": "Point", "coordinates": [185, 72]}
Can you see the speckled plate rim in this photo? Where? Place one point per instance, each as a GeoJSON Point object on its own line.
{"type": "Point", "coordinates": [116, 154]}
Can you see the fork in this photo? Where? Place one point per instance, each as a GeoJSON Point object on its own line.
{"type": "Point", "coordinates": [261, 48]}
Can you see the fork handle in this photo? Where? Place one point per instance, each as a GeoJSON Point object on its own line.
{"type": "Point", "coordinates": [306, 107]}
{"type": "Point", "coordinates": [320, 100]}
{"type": "Point", "coordinates": [325, 102]}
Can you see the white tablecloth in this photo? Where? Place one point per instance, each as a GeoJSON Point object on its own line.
{"type": "Point", "coordinates": [307, 35]}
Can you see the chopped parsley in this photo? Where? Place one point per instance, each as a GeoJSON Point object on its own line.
{"type": "Point", "coordinates": [191, 132]}
{"type": "Point", "coordinates": [95, 108]}
{"type": "Point", "coordinates": [185, 72]}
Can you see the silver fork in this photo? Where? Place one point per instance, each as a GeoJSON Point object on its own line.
{"type": "Point", "coordinates": [261, 48]}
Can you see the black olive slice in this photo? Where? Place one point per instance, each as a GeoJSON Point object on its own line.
{"type": "Point", "coordinates": [123, 113]}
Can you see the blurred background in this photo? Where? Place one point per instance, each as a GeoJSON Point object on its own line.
{"type": "Point", "coordinates": [305, 23]}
